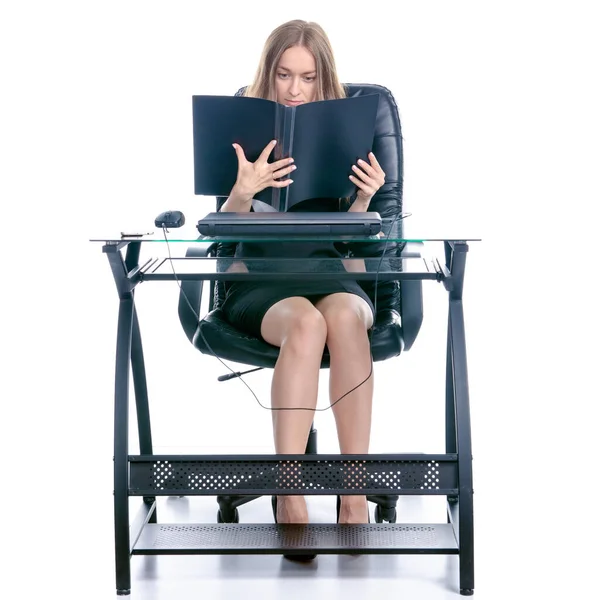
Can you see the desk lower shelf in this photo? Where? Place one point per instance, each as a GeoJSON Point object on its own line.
{"type": "Point", "coordinates": [236, 538]}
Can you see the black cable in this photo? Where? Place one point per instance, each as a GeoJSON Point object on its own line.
{"type": "Point", "coordinates": [369, 334]}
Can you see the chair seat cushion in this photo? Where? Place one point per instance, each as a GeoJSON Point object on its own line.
{"type": "Point", "coordinates": [231, 344]}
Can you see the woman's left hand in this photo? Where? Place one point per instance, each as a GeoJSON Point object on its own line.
{"type": "Point", "coordinates": [368, 178]}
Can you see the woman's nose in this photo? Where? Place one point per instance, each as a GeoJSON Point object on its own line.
{"type": "Point", "coordinates": [294, 87]}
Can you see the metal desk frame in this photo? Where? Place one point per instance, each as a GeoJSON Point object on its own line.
{"type": "Point", "coordinates": [149, 475]}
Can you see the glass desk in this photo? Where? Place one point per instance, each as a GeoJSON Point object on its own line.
{"type": "Point", "coordinates": [386, 257]}
{"type": "Point", "coordinates": [235, 479]}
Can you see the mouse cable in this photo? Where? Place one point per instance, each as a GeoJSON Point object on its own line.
{"type": "Point", "coordinates": [369, 334]}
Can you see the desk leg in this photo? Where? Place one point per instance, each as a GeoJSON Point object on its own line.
{"type": "Point", "coordinates": [458, 360]}
{"type": "Point", "coordinates": [450, 422]}
{"type": "Point", "coordinates": [141, 398]}
{"type": "Point", "coordinates": [140, 387]}
{"type": "Point", "coordinates": [450, 400]}
{"type": "Point", "coordinates": [124, 331]}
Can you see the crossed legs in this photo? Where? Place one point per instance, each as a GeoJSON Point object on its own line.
{"type": "Point", "coordinates": [301, 330]}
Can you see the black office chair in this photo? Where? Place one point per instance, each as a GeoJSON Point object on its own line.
{"type": "Point", "coordinates": [399, 304]}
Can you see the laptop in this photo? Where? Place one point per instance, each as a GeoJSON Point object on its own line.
{"type": "Point", "coordinates": [266, 224]}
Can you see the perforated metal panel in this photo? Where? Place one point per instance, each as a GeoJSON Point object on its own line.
{"type": "Point", "coordinates": [223, 476]}
{"type": "Point", "coordinates": [319, 538]}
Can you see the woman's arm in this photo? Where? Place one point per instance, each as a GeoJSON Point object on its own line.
{"type": "Point", "coordinates": [355, 265]}
{"type": "Point", "coordinates": [368, 180]}
{"type": "Point", "coordinates": [238, 201]}
{"type": "Point", "coordinates": [237, 267]}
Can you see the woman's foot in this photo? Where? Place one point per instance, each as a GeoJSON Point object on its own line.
{"type": "Point", "coordinates": [291, 509]}
{"type": "Point", "coordinates": [353, 509]}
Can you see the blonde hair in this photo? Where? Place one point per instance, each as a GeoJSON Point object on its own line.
{"type": "Point", "coordinates": [297, 33]}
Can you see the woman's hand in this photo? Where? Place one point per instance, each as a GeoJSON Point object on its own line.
{"type": "Point", "coordinates": [255, 177]}
{"type": "Point", "coordinates": [368, 178]}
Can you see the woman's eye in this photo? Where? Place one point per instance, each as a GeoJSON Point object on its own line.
{"type": "Point", "coordinates": [285, 75]}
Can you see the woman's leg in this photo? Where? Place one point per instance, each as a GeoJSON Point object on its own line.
{"type": "Point", "coordinates": [348, 317]}
{"type": "Point", "coordinates": [299, 329]}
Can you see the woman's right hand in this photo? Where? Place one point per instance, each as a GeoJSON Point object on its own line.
{"type": "Point", "coordinates": [255, 177]}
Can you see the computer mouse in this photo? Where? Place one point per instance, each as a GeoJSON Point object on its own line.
{"type": "Point", "coordinates": [170, 218]}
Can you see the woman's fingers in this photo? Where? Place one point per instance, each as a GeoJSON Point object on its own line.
{"type": "Point", "coordinates": [365, 187]}
{"type": "Point", "coordinates": [368, 178]}
{"type": "Point", "coordinates": [283, 183]}
{"type": "Point", "coordinates": [261, 173]}
{"type": "Point", "coordinates": [361, 174]}
{"type": "Point", "coordinates": [279, 164]}
{"type": "Point", "coordinates": [366, 167]}
{"type": "Point", "coordinates": [371, 174]}
{"type": "Point", "coordinates": [282, 172]}
{"type": "Point", "coordinates": [264, 155]}
{"type": "Point", "coordinates": [240, 153]}
{"type": "Point", "coordinates": [375, 162]}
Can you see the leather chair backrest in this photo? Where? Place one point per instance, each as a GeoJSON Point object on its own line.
{"type": "Point", "coordinates": [387, 147]}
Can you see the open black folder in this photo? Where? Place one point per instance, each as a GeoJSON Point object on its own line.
{"type": "Point", "coordinates": [325, 139]}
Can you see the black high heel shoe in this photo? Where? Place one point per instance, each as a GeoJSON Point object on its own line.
{"type": "Point", "coordinates": [339, 506]}
{"type": "Point", "coordinates": [295, 557]}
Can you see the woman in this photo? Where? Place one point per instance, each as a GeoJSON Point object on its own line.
{"type": "Point", "coordinates": [297, 66]}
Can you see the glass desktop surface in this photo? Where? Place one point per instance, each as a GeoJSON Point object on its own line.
{"type": "Point", "coordinates": [391, 232]}
{"type": "Point", "coordinates": [233, 269]}
{"type": "Point", "coordinates": [387, 256]}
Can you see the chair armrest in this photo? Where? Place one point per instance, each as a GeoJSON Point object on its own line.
{"type": "Point", "coordinates": [191, 291]}
{"type": "Point", "coordinates": [411, 300]}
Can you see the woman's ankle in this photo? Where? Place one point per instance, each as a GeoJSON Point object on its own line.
{"type": "Point", "coordinates": [292, 509]}
{"type": "Point", "coordinates": [354, 509]}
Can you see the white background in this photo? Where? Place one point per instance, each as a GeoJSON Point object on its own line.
{"type": "Point", "coordinates": [498, 102]}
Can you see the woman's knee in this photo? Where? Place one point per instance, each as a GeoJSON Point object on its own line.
{"type": "Point", "coordinates": [346, 316]}
{"type": "Point", "coordinates": [296, 324]}
{"type": "Point", "coordinates": [343, 326]}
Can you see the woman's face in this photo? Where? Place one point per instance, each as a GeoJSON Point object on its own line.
{"type": "Point", "coordinates": [296, 77]}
